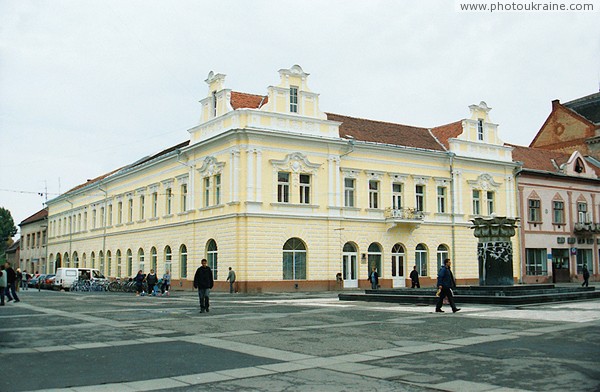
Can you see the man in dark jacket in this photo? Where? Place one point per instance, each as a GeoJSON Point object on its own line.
{"type": "Point", "coordinates": [414, 278]}
{"type": "Point", "coordinates": [586, 276]}
{"type": "Point", "coordinates": [446, 283]}
{"type": "Point", "coordinates": [203, 281]}
{"type": "Point", "coordinates": [11, 277]}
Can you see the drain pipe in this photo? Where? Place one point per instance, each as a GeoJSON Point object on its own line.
{"type": "Point", "coordinates": [452, 208]}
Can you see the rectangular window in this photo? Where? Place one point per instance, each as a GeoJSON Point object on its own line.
{"type": "Point", "coordinates": [294, 99]}
{"type": "Point", "coordinates": [110, 214]}
{"type": "Point", "coordinates": [476, 202]}
{"type": "Point", "coordinates": [183, 200]}
{"type": "Point", "coordinates": [169, 202]}
{"type": "Point", "coordinates": [283, 187]}
{"type": "Point", "coordinates": [142, 207]}
{"type": "Point", "coordinates": [214, 103]}
{"type": "Point", "coordinates": [441, 199]}
{"type": "Point", "coordinates": [480, 129]}
{"type": "Point", "coordinates": [535, 263]}
{"type": "Point", "coordinates": [93, 220]}
{"type": "Point", "coordinates": [154, 204]}
{"type": "Point", "coordinates": [558, 212]}
{"type": "Point", "coordinates": [130, 210]}
{"type": "Point", "coordinates": [85, 220]}
{"type": "Point", "coordinates": [102, 217]}
{"type": "Point", "coordinates": [373, 194]}
{"type": "Point", "coordinates": [305, 188]}
{"type": "Point", "coordinates": [217, 186]}
{"type": "Point", "coordinates": [396, 196]}
{"type": "Point", "coordinates": [349, 191]}
{"type": "Point", "coordinates": [206, 191]}
{"type": "Point", "coordinates": [534, 210]}
{"type": "Point", "coordinates": [491, 208]}
{"type": "Point", "coordinates": [420, 198]}
{"type": "Point", "coordinates": [582, 213]}
{"type": "Point", "coordinates": [120, 212]}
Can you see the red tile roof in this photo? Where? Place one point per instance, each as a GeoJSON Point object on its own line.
{"type": "Point", "coordinates": [385, 132]}
{"type": "Point", "coordinates": [251, 101]}
{"type": "Point", "coordinates": [38, 216]}
{"type": "Point", "coordinates": [448, 131]}
{"type": "Point", "coordinates": [538, 159]}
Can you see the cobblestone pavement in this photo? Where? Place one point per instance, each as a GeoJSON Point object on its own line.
{"type": "Point", "coordinates": [292, 342]}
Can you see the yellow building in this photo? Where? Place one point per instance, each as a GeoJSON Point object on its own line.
{"type": "Point", "coordinates": [290, 196]}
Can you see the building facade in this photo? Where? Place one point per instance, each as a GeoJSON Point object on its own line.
{"type": "Point", "coordinates": [572, 126]}
{"type": "Point", "coordinates": [559, 198]}
{"type": "Point", "coordinates": [33, 243]}
{"type": "Point", "coordinates": [290, 196]}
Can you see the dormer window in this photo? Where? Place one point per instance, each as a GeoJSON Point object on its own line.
{"type": "Point", "coordinates": [579, 166]}
{"type": "Point", "coordinates": [293, 99]}
{"type": "Point", "coordinates": [480, 129]}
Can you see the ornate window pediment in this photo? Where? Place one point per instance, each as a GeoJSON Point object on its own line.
{"type": "Point", "coordinates": [295, 162]}
{"type": "Point", "coordinates": [211, 167]}
{"type": "Point", "coordinates": [484, 182]}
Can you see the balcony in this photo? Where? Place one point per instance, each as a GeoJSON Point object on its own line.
{"type": "Point", "coordinates": [408, 216]}
{"type": "Point", "coordinates": [587, 228]}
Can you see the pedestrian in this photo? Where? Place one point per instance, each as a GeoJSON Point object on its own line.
{"type": "Point", "coordinates": [231, 279]}
{"type": "Point", "coordinates": [586, 276]}
{"type": "Point", "coordinates": [203, 281]}
{"type": "Point", "coordinates": [446, 283]}
{"type": "Point", "coordinates": [11, 277]}
{"type": "Point", "coordinates": [19, 279]}
{"type": "Point", "coordinates": [3, 283]}
{"type": "Point", "coordinates": [414, 278]}
{"type": "Point", "coordinates": [139, 282]}
{"type": "Point", "coordinates": [152, 280]}
{"type": "Point", "coordinates": [166, 283]}
{"type": "Point", "coordinates": [24, 279]}
{"type": "Point", "coordinates": [374, 278]}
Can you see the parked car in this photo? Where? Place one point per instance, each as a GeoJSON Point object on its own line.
{"type": "Point", "coordinates": [33, 282]}
{"type": "Point", "coordinates": [48, 282]}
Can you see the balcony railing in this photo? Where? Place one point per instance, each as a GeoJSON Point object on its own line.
{"type": "Point", "coordinates": [587, 227]}
{"type": "Point", "coordinates": [404, 215]}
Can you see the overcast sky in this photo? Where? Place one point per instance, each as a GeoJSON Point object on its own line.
{"type": "Point", "coordinates": [90, 86]}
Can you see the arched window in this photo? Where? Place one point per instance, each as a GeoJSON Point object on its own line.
{"type": "Point", "coordinates": [153, 258]}
{"type": "Point", "coordinates": [398, 260]}
{"type": "Point", "coordinates": [374, 258]}
{"type": "Point", "coordinates": [75, 260]}
{"type": "Point", "coordinates": [442, 254]}
{"type": "Point", "coordinates": [66, 260]}
{"type": "Point", "coordinates": [183, 261]}
{"type": "Point", "coordinates": [129, 262]}
{"type": "Point", "coordinates": [168, 258]}
{"type": "Point", "coordinates": [58, 262]}
{"type": "Point", "coordinates": [211, 256]}
{"type": "Point", "coordinates": [93, 260]}
{"type": "Point", "coordinates": [141, 262]}
{"type": "Point", "coordinates": [83, 261]}
{"type": "Point", "coordinates": [119, 263]}
{"type": "Point", "coordinates": [108, 263]}
{"type": "Point", "coordinates": [294, 259]}
{"type": "Point", "coordinates": [102, 264]}
{"type": "Point", "coordinates": [421, 259]}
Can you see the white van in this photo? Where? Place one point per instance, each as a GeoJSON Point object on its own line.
{"type": "Point", "coordinates": [66, 276]}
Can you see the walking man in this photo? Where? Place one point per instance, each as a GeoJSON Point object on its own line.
{"type": "Point", "coordinates": [203, 281]}
{"type": "Point", "coordinates": [414, 278]}
{"type": "Point", "coordinates": [231, 279]}
{"type": "Point", "coordinates": [11, 277]}
{"type": "Point", "coordinates": [446, 283]}
{"type": "Point", "coordinates": [586, 276]}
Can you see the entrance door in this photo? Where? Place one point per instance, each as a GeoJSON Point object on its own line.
{"type": "Point", "coordinates": [398, 278]}
{"type": "Point", "coordinates": [350, 266]}
{"type": "Point", "coordinates": [560, 266]}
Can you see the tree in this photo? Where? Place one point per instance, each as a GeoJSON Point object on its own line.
{"type": "Point", "coordinates": [7, 231]}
